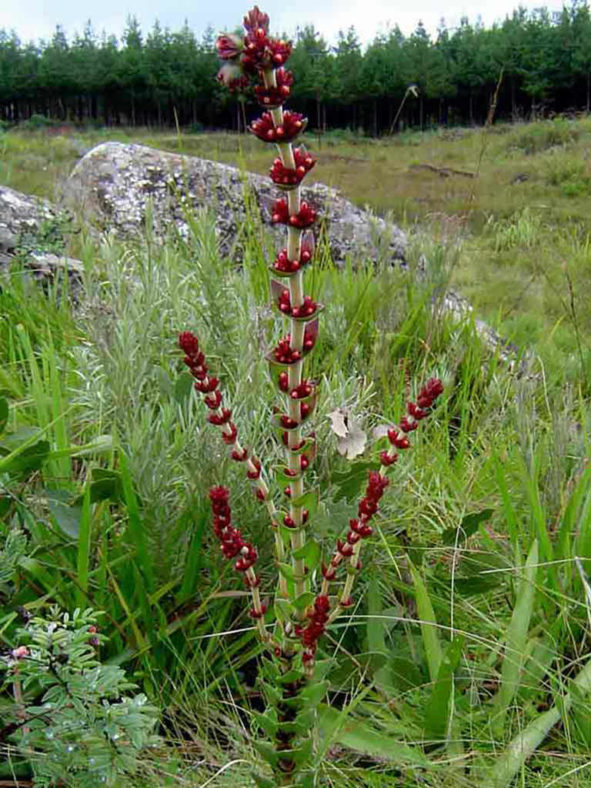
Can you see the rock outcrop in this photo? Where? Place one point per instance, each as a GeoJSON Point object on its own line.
{"type": "Point", "coordinates": [115, 183]}
{"type": "Point", "coordinates": [24, 221]}
{"type": "Point", "coordinates": [21, 216]}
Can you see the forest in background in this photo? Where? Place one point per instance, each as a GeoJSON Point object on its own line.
{"type": "Point", "coordinates": [540, 59]}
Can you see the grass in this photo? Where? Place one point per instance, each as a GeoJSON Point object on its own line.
{"type": "Point", "coordinates": [522, 227]}
{"type": "Point", "coordinates": [468, 642]}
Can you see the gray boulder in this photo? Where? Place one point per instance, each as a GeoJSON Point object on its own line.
{"type": "Point", "coordinates": [115, 183]}
{"type": "Point", "coordinates": [22, 220]}
{"type": "Point", "coordinates": [20, 216]}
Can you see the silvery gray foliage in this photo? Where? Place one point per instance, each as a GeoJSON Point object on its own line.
{"type": "Point", "coordinates": [76, 722]}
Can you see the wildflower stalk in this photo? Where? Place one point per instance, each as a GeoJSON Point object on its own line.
{"type": "Point", "coordinates": [288, 676]}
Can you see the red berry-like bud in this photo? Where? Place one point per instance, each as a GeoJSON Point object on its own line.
{"type": "Point", "coordinates": [254, 472]}
{"type": "Point", "coordinates": [214, 400]}
{"type": "Point", "coordinates": [388, 459]}
{"type": "Point", "coordinates": [218, 419]}
{"type": "Point", "coordinates": [229, 436]}
{"type": "Point", "coordinates": [406, 425]}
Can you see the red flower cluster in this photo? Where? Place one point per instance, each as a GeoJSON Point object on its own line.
{"type": "Point", "coordinates": [318, 618]}
{"type": "Point", "coordinates": [265, 129]}
{"type": "Point", "coordinates": [358, 528]}
{"type": "Point", "coordinates": [416, 412]}
{"type": "Point", "coordinates": [285, 354]}
{"type": "Point", "coordinates": [219, 416]}
{"type": "Point", "coordinates": [287, 178]}
{"type": "Point", "coordinates": [273, 97]}
{"type": "Point", "coordinates": [303, 219]}
{"type": "Point", "coordinates": [231, 540]}
{"type": "Point", "coordinates": [256, 51]}
{"type": "Point", "coordinates": [284, 265]}
{"type": "Point", "coordinates": [306, 309]}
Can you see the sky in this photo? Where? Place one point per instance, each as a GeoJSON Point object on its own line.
{"type": "Point", "coordinates": [36, 19]}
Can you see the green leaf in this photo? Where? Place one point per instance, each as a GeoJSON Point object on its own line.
{"type": "Point", "coordinates": [83, 560]}
{"type": "Point", "coordinates": [376, 641]}
{"type": "Point", "coordinates": [350, 482]}
{"type": "Point", "coordinates": [359, 736]}
{"type": "Point", "coordinates": [309, 501]}
{"type": "Point", "coordinates": [283, 609]}
{"type": "Point", "coordinates": [477, 584]}
{"type": "Point", "coordinates": [282, 478]}
{"type": "Point", "coordinates": [25, 461]}
{"type": "Point", "coordinates": [511, 762]}
{"type": "Point", "coordinates": [286, 571]}
{"type": "Point", "coordinates": [266, 723]}
{"type": "Point", "coordinates": [64, 513]}
{"type": "Point", "coordinates": [516, 637]}
{"type": "Point", "coordinates": [467, 527]}
{"type": "Point", "coordinates": [4, 409]}
{"type": "Point", "coordinates": [304, 600]}
{"type": "Point", "coordinates": [310, 553]}
{"type": "Point", "coordinates": [404, 673]}
{"type": "Point", "coordinates": [106, 485]}
{"type": "Point", "coordinates": [183, 386]}
{"type": "Point", "coordinates": [429, 631]}
{"type": "Point", "coordinates": [437, 713]}
{"type": "Point", "coordinates": [266, 751]}
{"type": "Point", "coordinates": [314, 692]}
{"type": "Point", "coordinates": [263, 782]}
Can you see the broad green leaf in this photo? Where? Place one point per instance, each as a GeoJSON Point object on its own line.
{"type": "Point", "coordinates": [84, 537]}
{"type": "Point", "coordinates": [361, 737]}
{"type": "Point", "coordinates": [404, 673]}
{"type": "Point", "coordinates": [304, 600]}
{"type": "Point", "coordinates": [437, 713]}
{"type": "Point", "coordinates": [183, 386]}
{"type": "Point", "coordinates": [314, 692]}
{"type": "Point", "coordinates": [511, 762]}
{"type": "Point", "coordinates": [286, 570]}
{"type": "Point", "coordinates": [283, 609]}
{"type": "Point", "coordinates": [516, 638]}
{"type": "Point", "coordinates": [22, 462]}
{"type": "Point", "coordinates": [266, 723]}
{"type": "Point", "coordinates": [106, 484]}
{"type": "Point", "coordinates": [310, 553]}
{"type": "Point", "coordinates": [3, 413]}
{"type": "Point", "coordinates": [309, 501]}
{"type": "Point", "coordinates": [467, 527]}
{"type": "Point", "coordinates": [64, 513]}
{"type": "Point", "coordinates": [376, 641]}
{"type": "Point", "coordinates": [350, 483]}
{"type": "Point", "coordinates": [429, 630]}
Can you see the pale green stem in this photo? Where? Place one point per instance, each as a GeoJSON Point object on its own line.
{"type": "Point", "coordinates": [297, 330]}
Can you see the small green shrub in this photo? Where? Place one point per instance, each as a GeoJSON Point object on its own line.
{"type": "Point", "coordinates": [37, 122]}
{"type": "Point", "coordinates": [537, 137]}
{"type": "Point", "coordinates": [73, 720]}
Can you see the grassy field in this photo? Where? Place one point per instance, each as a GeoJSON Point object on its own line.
{"type": "Point", "coordinates": [465, 659]}
{"type": "Point", "coordinates": [520, 229]}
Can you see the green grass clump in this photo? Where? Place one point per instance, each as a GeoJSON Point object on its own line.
{"type": "Point", "coordinates": [538, 137]}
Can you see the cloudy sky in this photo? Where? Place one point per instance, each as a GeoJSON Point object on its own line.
{"type": "Point", "coordinates": [35, 19]}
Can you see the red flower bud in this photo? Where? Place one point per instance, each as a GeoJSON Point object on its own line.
{"type": "Point", "coordinates": [220, 418]}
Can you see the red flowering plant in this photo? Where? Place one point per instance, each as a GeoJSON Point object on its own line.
{"type": "Point", "coordinates": [302, 608]}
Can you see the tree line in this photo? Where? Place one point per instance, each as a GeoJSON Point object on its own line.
{"type": "Point", "coordinates": [531, 64]}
